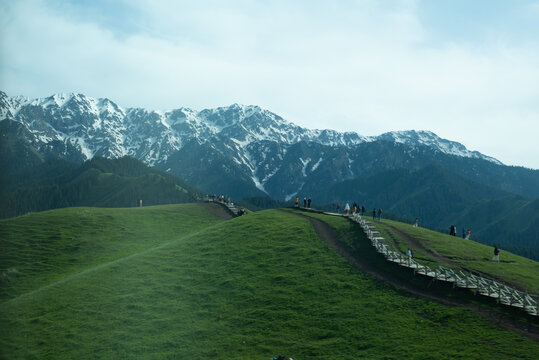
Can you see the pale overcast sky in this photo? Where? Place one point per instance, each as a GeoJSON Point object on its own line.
{"type": "Point", "coordinates": [466, 70]}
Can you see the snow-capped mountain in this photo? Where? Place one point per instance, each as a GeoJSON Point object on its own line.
{"type": "Point", "coordinates": [256, 150]}
{"type": "Point", "coordinates": [430, 139]}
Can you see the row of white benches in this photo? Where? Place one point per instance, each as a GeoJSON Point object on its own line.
{"type": "Point", "coordinates": [502, 293]}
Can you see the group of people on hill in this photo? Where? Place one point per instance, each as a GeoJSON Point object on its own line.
{"type": "Point", "coordinates": [466, 235]}
{"type": "Point", "coordinates": [222, 198]}
{"type": "Point", "coordinates": [465, 232]}
{"type": "Point", "coordinates": [356, 209]}
{"type": "Point", "coordinates": [377, 214]}
{"type": "Point", "coordinates": [306, 202]}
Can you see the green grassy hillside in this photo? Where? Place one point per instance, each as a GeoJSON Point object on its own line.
{"type": "Point", "coordinates": [175, 282]}
{"type": "Point", "coordinates": [465, 254]}
{"type": "Point", "coordinates": [439, 198]}
{"type": "Point", "coordinates": [41, 248]}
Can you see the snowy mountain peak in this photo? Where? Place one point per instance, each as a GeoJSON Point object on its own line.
{"type": "Point", "coordinates": [430, 139]}
{"type": "Point", "coordinates": [101, 127]}
{"type": "Point", "coordinates": [58, 100]}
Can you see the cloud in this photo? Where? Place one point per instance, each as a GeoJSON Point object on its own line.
{"type": "Point", "coordinates": [363, 66]}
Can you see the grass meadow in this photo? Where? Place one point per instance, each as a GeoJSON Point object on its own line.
{"type": "Point", "coordinates": [173, 282]}
{"type": "Point", "coordinates": [466, 254]}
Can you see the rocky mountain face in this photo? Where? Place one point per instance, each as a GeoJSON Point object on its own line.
{"type": "Point", "coordinates": [239, 150]}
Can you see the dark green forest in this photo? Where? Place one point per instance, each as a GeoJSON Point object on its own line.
{"type": "Point", "coordinates": [97, 182]}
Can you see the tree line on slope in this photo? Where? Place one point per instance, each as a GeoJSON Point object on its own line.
{"type": "Point", "coordinates": [97, 182]}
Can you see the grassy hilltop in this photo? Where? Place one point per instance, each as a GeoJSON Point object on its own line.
{"type": "Point", "coordinates": [179, 282]}
{"type": "Point", "coordinates": [454, 251]}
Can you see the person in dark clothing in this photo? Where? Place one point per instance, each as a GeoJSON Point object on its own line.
{"type": "Point", "coordinates": [463, 233]}
{"type": "Point", "coordinates": [373, 214]}
{"type": "Point", "coordinates": [304, 202]}
{"type": "Point", "coordinates": [309, 203]}
{"type": "Point", "coordinates": [363, 210]}
{"type": "Point", "coordinates": [496, 254]}
{"type": "Point", "coordinates": [379, 214]}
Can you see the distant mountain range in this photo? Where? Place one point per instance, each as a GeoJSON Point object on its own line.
{"type": "Point", "coordinates": [246, 151]}
{"type": "Point", "coordinates": [254, 146]}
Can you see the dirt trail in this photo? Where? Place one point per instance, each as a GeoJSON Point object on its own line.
{"type": "Point", "coordinates": [416, 244]}
{"type": "Point", "coordinates": [218, 210]}
{"type": "Point", "coordinates": [359, 261]}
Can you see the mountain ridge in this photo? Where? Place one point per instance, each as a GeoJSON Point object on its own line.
{"type": "Point", "coordinates": [209, 122]}
{"type": "Point", "coordinates": [255, 142]}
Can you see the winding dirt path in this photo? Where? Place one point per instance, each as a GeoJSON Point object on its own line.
{"type": "Point", "coordinates": [417, 244]}
{"type": "Point", "coordinates": [359, 261]}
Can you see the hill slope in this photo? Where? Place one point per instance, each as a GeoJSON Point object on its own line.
{"type": "Point", "coordinates": [97, 182]}
{"type": "Point", "coordinates": [440, 198]}
{"type": "Point", "coordinates": [251, 287]}
{"type": "Point", "coordinates": [431, 248]}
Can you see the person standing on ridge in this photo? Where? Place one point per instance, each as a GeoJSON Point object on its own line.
{"type": "Point", "coordinates": [309, 203]}
{"type": "Point", "coordinates": [297, 201]}
{"type": "Point", "coordinates": [379, 214]}
{"type": "Point", "coordinates": [346, 209]}
{"type": "Point", "coordinates": [373, 214]}
{"type": "Point", "coordinates": [304, 202]}
{"type": "Point", "coordinates": [496, 254]}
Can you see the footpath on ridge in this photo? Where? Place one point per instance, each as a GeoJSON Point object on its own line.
{"type": "Point", "coordinates": [217, 209]}
{"type": "Point", "coordinates": [229, 210]}
{"type": "Point", "coordinates": [366, 264]}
